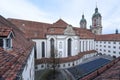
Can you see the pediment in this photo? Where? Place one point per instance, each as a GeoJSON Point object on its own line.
{"type": "Point", "coordinates": [69, 30]}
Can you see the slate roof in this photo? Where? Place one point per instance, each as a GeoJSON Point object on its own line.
{"type": "Point", "coordinates": [13, 61]}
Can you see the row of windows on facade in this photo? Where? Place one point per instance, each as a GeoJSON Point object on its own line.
{"type": "Point", "coordinates": [109, 42]}
{"type": "Point", "coordinates": [59, 65]}
{"type": "Point", "coordinates": [69, 46]}
{"type": "Point", "coordinates": [109, 51]}
{"type": "Point", "coordinates": [6, 43]}
{"type": "Point", "coordinates": [108, 46]}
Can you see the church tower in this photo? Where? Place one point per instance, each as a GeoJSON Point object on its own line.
{"type": "Point", "coordinates": [96, 27]}
{"type": "Point", "coordinates": [83, 22]}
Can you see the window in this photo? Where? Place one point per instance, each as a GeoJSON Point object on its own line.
{"type": "Point", "coordinates": [104, 50]}
{"type": "Point", "coordinates": [1, 42]}
{"type": "Point", "coordinates": [114, 42]}
{"type": "Point", "coordinates": [108, 50]}
{"type": "Point", "coordinates": [104, 42]}
{"type": "Point", "coordinates": [42, 66]}
{"type": "Point", "coordinates": [83, 45]}
{"type": "Point", "coordinates": [114, 47]}
{"type": "Point", "coordinates": [63, 65]}
{"type": "Point", "coordinates": [43, 49]}
{"type": "Point", "coordinates": [100, 49]}
{"type": "Point", "coordinates": [109, 46]}
{"type": "Point", "coordinates": [86, 45]}
{"type": "Point", "coordinates": [109, 42]}
{"type": "Point", "coordinates": [52, 47]}
{"type": "Point", "coordinates": [69, 64]}
{"type": "Point", "coordinates": [114, 52]}
{"type": "Point", "coordinates": [104, 46]}
{"type": "Point", "coordinates": [69, 47]}
{"type": "Point", "coordinates": [8, 43]}
{"type": "Point", "coordinates": [58, 65]}
{"type": "Point", "coordinates": [80, 46]}
{"type": "Point", "coordinates": [35, 51]}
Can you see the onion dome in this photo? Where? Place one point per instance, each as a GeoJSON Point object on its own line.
{"type": "Point", "coordinates": [83, 19]}
{"type": "Point", "coordinates": [96, 14]}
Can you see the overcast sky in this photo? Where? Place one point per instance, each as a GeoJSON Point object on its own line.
{"type": "Point", "coordinates": [50, 11]}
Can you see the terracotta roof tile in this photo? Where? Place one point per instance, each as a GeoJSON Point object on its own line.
{"type": "Point", "coordinates": [112, 73]}
{"type": "Point", "coordinates": [60, 23]}
{"type": "Point", "coordinates": [108, 37]}
{"type": "Point", "coordinates": [40, 30]}
{"type": "Point", "coordinates": [4, 31]}
{"type": "Point", "coordinates": [12, 61]}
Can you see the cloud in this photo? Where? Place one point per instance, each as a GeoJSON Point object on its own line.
{"type": "Point", "coordinates": [22, 9]}
{"type": "Point", "coordinates": [69, 10]}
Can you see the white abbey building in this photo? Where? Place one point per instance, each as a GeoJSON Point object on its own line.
{"type": "Point", "coordinates": [69, 44]}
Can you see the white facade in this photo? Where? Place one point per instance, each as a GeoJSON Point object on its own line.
{"type": "Point", "coordinates": [61, 47]}
{"type": "Point", "coordinates": [28, 72]}
{"type": "Point", "coordinates": [67, 64]}
{"type": "Point", "coordinates": [111, 48]}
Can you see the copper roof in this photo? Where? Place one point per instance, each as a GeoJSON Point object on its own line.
{"type": "Point", "coordinates": [12, 61]}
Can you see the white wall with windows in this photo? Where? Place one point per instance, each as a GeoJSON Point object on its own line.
{"type": "Point", "coordinates": [28, 72]}
{"type": "Point", "coordinates": [67, 64]}
{"type": "Point", "coordinates": [86, 45]}
{"type": "Point", "coordinates": [111, 48]}
{"type": "Point", "coordinates": [62, 45]}
{"type": "Point", "coordinates": [40, 48]}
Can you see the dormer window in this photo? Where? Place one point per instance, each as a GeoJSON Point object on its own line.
{"type": "Point", "coordinates": [8, 43]}
{"type": "Point", "coordinates": [6, 36]}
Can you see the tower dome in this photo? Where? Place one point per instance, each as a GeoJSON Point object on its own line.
{"type": "Point", "coordinates": [83, 22]}
{"type": "Point", "coordinates": [83, 19]}
{"type": "Point", "coordinates": [96, 14]}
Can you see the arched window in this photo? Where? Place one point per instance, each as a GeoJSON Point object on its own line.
{"type": "Point", "coordinates": [86, 45]}
{"type": "Point", "coordinates": [69, 47]}
{"type": "Point", "coordinates": [1, 42]}
{"type": "Point", "coordinates": [35, 51]}
{"type": "Point", "coordinates": [52, 47]}
{"type": "Point", "coordinates": [83, 46]}
{"type": "Point", "coordinates": [43, 49]}
{"type": "Point", "coordinates": [80, 46]}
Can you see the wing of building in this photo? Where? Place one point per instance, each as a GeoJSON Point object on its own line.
{"type": "Point", "coordinates": [16, 53]}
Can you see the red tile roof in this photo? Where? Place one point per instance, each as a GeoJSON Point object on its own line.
{"type": "Point", "coordinates": [40, 30]}
{"type": "Point", "coordinates": [112, 73]}
{"type": "Point", "coordinates": [12, 61]}
{"type": "Point", "coordinates": [4, 31]}
{"type": "Point", "coordinates": [108, 37]}
{"type": "Point", "coordinates": [60, 23]}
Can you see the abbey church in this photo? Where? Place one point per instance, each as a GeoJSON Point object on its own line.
{"type": "Point", "coordinates": [23, 41]}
